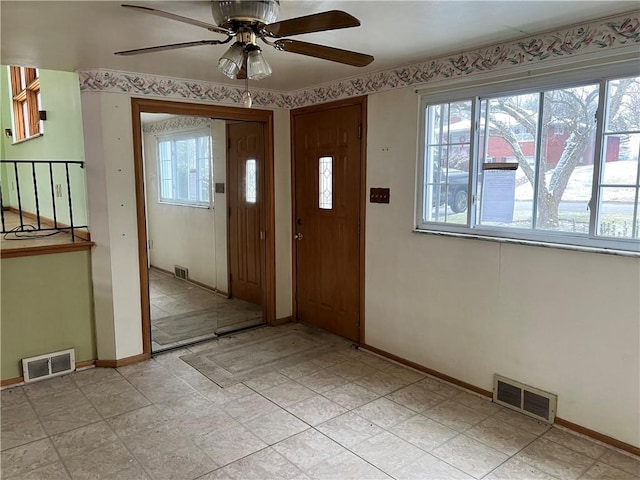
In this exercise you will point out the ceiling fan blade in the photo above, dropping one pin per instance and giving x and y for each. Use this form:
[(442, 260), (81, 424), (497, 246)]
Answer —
[(179, 18), (318, 22), (321, 51), (172, 46)]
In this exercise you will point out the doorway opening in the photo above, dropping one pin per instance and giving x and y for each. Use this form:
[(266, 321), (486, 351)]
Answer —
[(197, 243)]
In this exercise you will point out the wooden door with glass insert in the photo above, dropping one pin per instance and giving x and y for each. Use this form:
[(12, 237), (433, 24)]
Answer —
[(244, 166), (327, 158)]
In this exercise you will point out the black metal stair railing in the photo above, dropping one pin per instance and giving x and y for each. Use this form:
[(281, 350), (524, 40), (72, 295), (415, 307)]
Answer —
[(41, 197)]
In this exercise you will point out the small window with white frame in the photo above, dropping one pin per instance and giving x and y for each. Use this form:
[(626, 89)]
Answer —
[(27, 102), (446, 162), (571, 155), (185, 168)]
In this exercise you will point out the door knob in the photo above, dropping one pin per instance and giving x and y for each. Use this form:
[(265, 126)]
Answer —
[(298, 236)]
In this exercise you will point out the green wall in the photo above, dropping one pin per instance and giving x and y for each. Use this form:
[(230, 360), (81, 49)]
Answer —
[(4, 181), (62, 139), (47, 305), (47, 300)]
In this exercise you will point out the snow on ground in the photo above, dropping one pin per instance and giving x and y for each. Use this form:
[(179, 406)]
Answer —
[(579, 186)]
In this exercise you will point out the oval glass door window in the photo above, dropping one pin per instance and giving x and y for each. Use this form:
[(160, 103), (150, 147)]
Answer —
[(325, 186)]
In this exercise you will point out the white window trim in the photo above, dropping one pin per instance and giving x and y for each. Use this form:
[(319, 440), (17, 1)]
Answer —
[(530, 237), (37, 135), (187, 133)]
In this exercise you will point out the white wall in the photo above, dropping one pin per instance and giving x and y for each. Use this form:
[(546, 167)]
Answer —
[(564, 321), (284, 234), (184, 235), (111, 187), (112, 208), (219, 138)]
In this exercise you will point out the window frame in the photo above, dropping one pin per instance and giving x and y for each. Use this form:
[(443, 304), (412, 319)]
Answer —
[(29, 96), (324, 203), (476, 93), (421, 163), (250, 181), (173, 137)]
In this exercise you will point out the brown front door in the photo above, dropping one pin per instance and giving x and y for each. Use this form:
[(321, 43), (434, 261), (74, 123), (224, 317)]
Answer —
[(327, 159), (245, 166)]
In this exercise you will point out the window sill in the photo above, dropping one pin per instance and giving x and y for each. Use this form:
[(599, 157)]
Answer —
[(177, 204), (532, 243), (37, 135)]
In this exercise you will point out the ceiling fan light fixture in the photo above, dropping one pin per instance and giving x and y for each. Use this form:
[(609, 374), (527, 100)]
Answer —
[(225, 12), (231, 62), (250, 20), (257, 66)]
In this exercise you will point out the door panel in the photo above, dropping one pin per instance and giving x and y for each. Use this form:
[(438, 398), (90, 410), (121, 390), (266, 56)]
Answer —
[(245, 160), (327, 163)]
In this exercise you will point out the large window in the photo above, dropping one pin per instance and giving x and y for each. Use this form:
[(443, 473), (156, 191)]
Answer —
[(184, 168), (555, 164), (25, 92)]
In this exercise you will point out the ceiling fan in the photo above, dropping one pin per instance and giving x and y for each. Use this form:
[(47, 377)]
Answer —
[(246, 21)]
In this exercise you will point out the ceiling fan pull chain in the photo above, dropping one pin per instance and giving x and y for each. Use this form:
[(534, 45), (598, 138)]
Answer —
[(246, 95)]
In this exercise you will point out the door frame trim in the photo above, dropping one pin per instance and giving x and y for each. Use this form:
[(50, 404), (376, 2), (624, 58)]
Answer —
[(362, 102), (139, 105)]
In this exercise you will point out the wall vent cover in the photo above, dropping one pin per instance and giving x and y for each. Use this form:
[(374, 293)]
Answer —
[(181, 272), (531, 401), (48, 365)]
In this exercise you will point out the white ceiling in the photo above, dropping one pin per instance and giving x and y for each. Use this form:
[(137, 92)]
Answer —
[(84, 34)]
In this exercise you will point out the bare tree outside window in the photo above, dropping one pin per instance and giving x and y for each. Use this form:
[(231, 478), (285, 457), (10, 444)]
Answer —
[(576, 150), (567, 139)]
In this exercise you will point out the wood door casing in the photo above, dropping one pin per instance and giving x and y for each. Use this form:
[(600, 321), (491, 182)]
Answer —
[(327, 257), (140, 105), (245, 153)]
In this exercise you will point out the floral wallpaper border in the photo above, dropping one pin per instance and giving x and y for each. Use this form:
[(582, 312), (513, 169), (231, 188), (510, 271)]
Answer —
[(114, 81), (600, 36), (175, 123)]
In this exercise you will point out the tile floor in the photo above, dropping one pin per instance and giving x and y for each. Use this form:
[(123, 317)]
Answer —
[(182, 312), (346, 415)]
